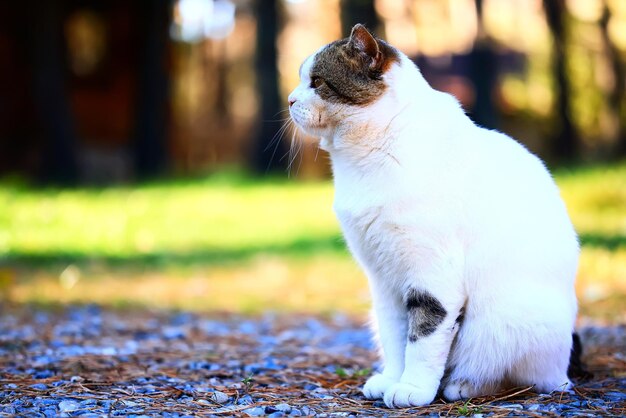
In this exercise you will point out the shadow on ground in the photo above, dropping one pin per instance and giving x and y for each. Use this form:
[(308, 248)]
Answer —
[(157, 259), (220, 256)]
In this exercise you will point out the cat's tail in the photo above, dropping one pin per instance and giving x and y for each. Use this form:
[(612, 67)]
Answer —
[(576, 369)]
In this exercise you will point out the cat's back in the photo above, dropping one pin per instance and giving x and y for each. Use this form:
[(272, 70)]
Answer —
[(512, 204), (500, 169)]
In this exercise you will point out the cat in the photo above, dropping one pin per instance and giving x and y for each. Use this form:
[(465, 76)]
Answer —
[(469, 252)]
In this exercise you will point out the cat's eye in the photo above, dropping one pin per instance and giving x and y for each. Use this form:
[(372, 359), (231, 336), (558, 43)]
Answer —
[(316, 82)]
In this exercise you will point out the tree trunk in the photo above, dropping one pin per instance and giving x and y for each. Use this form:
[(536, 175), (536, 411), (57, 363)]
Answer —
[(46, 51), (617, 94), (566, 141), (358, 11), (150, 141), (268, 155), (221, 73), (483, 72)]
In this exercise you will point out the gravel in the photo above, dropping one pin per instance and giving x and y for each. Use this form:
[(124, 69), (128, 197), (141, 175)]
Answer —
[(90, 361)]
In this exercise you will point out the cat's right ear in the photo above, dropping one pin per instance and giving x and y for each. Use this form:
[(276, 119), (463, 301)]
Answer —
[(363, 40)]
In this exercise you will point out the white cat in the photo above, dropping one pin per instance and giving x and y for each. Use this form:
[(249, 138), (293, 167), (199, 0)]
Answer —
[(468, 248)]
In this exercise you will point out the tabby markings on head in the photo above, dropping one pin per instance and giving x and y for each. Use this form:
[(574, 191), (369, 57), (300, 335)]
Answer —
[(349, 71)]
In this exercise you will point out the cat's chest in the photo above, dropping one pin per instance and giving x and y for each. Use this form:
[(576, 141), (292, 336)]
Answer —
[(380, 220), (368, 207), (357, 207), (361, 228), (367, 223), (356, 221)]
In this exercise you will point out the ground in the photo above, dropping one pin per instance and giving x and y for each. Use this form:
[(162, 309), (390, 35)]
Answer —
[(86, 360)]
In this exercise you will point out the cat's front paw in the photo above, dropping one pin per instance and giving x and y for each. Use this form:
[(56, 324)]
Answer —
[(377, 385), (401, 395)]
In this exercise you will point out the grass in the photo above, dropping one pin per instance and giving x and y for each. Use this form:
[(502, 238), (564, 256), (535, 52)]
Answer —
[(231, 242), (222, 218), (596, 201), (466, 409)]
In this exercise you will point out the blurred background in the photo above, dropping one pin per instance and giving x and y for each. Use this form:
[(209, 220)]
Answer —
[(142, 162)]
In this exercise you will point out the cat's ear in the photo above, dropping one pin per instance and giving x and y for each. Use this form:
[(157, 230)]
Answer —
[(363, 40)]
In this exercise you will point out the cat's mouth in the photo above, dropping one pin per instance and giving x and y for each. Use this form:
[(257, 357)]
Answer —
[(314, 131), (311, 126), (295, 119)]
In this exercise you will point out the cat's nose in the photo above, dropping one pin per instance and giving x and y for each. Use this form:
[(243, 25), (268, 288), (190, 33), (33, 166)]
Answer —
[(291, 102)]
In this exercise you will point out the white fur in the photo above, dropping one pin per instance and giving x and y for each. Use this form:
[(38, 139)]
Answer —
[(428, 200)]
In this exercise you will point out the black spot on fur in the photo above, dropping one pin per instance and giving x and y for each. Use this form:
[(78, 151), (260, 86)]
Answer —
[(461, 317), (349, 75), (425, 314), (577, 369)]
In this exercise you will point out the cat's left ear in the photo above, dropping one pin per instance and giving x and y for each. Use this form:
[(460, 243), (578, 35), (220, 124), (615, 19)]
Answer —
[(363, 40)]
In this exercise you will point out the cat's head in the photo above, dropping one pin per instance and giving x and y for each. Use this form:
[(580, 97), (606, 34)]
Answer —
[(340, 80)]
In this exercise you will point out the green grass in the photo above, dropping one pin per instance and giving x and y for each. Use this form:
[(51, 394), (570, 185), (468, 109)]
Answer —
[(596, 200), (256, 244), (213, 220)]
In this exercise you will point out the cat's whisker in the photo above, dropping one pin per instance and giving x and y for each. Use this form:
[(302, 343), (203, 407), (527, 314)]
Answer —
[(281, 111), (275, 142), (288, 153), (300, 152), (289, 158), (294, 149), (278, 135), (293, 153), (317, 151)]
